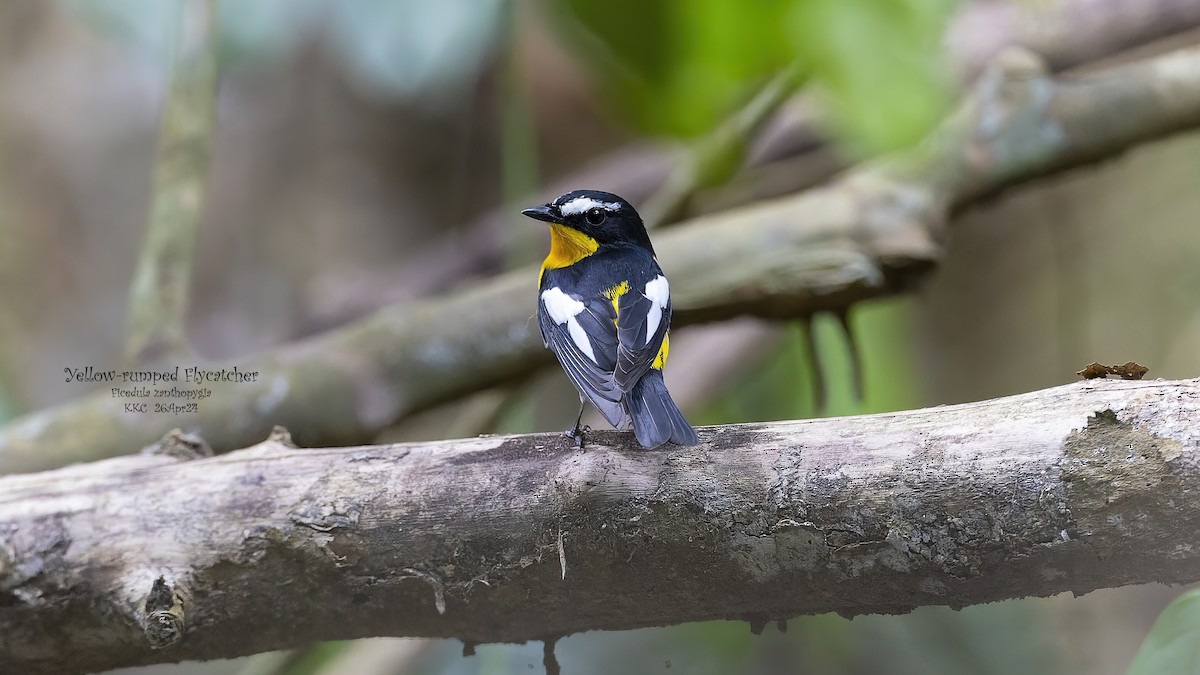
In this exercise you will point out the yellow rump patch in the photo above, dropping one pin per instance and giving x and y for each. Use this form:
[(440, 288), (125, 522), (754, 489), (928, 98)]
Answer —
[(614, 294), (567, 247), (661, 359)]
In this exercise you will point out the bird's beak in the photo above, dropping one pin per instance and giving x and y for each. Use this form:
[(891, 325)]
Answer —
[(546, 212)]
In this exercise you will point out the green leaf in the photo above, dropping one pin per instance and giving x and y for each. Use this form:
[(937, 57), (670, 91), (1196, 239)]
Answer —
[(1173, 645), (677, 67), (878, 65)]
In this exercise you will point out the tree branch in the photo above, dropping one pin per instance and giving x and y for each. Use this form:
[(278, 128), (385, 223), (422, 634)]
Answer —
[(158, 297), (149, 559), (864, 235), (1067, 33)]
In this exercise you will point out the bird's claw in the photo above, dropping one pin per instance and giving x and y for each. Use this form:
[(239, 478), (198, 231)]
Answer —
[(576, 435)]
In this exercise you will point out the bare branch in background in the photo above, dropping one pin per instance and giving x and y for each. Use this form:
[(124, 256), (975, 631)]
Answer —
[(1068, 489), (1066, 33), (869, 234), (158, 298)]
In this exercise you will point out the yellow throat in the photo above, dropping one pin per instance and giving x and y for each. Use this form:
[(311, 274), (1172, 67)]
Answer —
[(567, 247)]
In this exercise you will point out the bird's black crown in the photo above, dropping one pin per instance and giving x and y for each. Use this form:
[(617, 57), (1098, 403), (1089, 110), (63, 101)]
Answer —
[(603, 216)]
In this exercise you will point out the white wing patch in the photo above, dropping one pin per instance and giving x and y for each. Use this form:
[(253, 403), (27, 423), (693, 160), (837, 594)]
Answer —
[(563, 309), (660, 294), (581, 204)]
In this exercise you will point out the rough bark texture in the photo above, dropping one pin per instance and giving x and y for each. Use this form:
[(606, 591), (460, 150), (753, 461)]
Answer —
[(864, 235), (149, 558)]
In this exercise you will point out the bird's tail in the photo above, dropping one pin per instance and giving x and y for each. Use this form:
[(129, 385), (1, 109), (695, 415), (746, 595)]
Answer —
[(656, 420)]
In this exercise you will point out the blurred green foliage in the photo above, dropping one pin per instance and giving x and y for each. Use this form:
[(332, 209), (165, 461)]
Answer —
[(673, 67), (877, 64), (677, 67), (1173, 645), (781, 385)]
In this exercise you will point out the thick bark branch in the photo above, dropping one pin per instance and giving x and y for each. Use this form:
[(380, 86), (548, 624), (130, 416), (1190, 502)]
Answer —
[(149, 558), (865, 235)]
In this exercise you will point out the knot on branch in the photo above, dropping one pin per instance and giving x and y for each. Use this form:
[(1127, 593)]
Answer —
[(281, 435), (1018, 63), (181, 445), (1013, 95), (163, 623)]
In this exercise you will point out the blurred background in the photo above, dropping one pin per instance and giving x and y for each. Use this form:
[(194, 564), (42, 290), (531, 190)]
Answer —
[(368, 153)]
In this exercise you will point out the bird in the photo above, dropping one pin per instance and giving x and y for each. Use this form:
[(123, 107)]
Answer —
[(604, 309)]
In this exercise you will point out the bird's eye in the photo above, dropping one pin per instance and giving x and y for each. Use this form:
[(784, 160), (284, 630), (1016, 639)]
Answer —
[(595, 216)]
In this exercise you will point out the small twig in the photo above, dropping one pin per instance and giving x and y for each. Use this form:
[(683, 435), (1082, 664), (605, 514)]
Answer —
[(549, 660), (856, 367), (158, 297), (812, 357)]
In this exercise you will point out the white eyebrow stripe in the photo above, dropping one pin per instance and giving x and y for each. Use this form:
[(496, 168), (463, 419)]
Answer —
[(581, 204)]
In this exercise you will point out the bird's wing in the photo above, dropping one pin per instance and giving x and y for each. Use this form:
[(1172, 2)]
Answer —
[(643, 317), (582, 334)]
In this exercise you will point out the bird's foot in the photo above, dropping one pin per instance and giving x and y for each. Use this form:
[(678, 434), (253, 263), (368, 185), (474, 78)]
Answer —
[(576, 435)]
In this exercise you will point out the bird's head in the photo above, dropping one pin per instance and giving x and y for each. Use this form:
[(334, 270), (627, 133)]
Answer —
[(604, 218)]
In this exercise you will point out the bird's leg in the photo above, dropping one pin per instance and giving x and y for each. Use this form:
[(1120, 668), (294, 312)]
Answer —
[(576, 433)]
